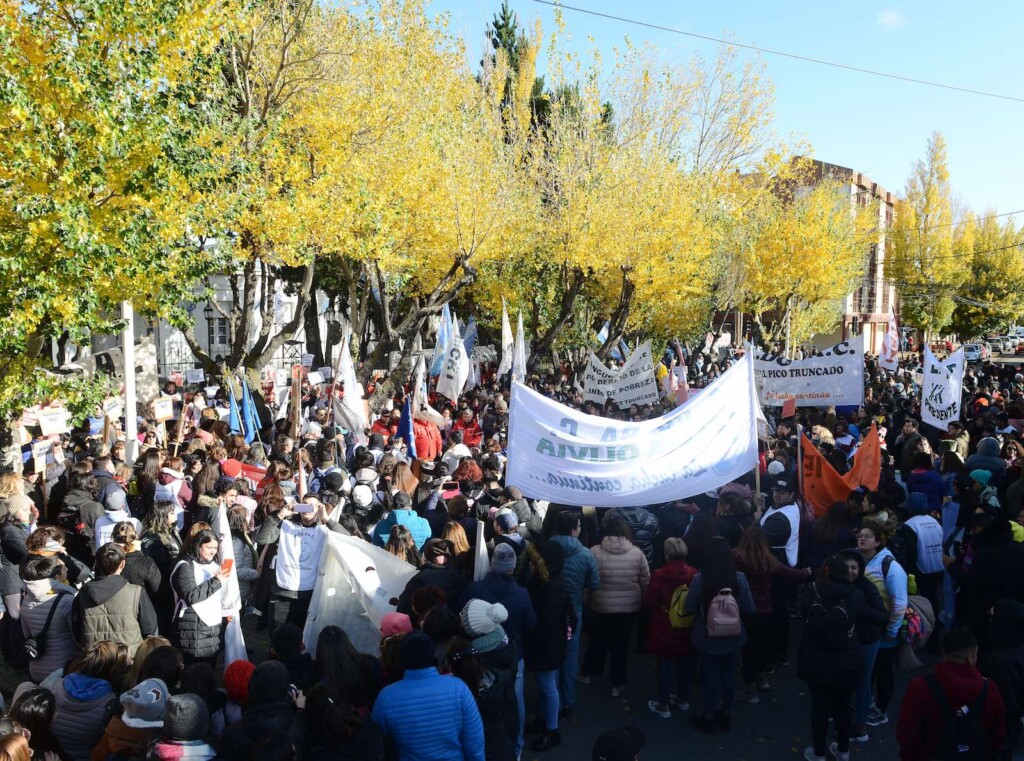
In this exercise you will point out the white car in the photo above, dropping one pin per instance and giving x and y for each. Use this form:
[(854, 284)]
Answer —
[(972, 352)]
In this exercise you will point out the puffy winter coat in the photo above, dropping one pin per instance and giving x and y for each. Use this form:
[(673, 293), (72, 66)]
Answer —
[(491, 701), (643, 525), (662, 640), (245, 566), (143, 572), (429, 716), (172, 487), (81, 715), (546, 645), (191, 635), (580, 572), (60, 641), (121, 740), (987, 458), (624, 575), (817, 664), (12, 552)]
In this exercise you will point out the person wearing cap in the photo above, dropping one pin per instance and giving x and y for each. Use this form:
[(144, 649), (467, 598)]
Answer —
[(186, 725), (506, 531), (402, 514), (622, 744), (143, 718), (781, 525), (437, 570), (451, 730)]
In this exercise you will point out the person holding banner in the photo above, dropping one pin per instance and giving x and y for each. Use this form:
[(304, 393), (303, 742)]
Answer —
[(197, 581)]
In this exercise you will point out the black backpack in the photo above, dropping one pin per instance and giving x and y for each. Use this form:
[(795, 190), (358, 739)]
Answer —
[(903, 546), (962, 735), (830, 625)]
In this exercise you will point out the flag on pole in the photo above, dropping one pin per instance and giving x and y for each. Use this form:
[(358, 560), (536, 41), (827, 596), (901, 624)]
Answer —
[(507, 342), (469, 340), (421, 409), (234, 419), (405, 429), (455, 370), (823, 486), (250, 418), (444, 336), (889, 357), (519, 354), (349, 411)]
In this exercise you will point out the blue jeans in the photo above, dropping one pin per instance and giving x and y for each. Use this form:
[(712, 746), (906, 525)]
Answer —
[(862, 700), (570, 668), (718, 675), (684, 678), (521, 701), (547, 686)]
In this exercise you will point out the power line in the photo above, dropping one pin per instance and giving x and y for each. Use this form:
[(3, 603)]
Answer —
[(977, 220), (964, 255), (783, 54)]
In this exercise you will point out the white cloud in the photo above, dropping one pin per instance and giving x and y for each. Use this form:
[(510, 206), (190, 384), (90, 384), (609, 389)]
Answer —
[(890, 19)]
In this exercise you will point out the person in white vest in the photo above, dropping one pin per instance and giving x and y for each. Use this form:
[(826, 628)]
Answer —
[(198, 584), (116, 510), (781, 524), (300, 533), (928, 537)]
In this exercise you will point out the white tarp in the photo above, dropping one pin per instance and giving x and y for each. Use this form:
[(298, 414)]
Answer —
[(889, 357), (942, 390), (357, 584), (834, 378), (633, 384), (561, 455)]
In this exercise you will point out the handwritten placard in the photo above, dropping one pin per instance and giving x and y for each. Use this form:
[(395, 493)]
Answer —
[(195, 375), (163, 409), (53, 421)]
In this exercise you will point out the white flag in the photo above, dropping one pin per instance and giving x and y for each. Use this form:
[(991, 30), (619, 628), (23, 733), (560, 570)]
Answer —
[(421, 409), (942, 388), (455, 370), (350, 411), (889, 357), (474, 374), (507, 342), (231, 598), (519, 353)]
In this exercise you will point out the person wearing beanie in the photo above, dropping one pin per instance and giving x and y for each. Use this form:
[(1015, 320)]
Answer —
[(450, 731), (268, 711), (143, 717), (395, 623), (987, 458), (236, 684), (499, 587), (986, 491), (186, 724), (439, 571)]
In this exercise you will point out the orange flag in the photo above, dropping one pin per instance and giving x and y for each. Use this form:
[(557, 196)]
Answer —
[(824, 486)]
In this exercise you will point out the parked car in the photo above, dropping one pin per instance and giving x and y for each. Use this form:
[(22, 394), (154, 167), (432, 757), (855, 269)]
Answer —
[(972, 352)]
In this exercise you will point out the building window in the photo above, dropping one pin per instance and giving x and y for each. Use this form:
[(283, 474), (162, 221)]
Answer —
[(221, 330)]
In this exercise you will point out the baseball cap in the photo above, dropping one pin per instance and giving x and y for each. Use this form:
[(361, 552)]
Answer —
[(621, 744), (782, 484)]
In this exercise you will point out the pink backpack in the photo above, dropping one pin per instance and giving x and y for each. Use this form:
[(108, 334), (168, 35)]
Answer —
[(723, 618)]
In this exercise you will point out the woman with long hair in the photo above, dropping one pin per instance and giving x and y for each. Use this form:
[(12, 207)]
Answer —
[(146, 473), (351, 675), (708, 598), (828, 534), (459, 511), (404, 479), (697, 537), (138, 569), (197, 581), (246, 557), (753, 557), (34, 710), (462, 553), (13, 743), (401, 544), (162, 544), (142, 652), (489, 688), (91, 683)]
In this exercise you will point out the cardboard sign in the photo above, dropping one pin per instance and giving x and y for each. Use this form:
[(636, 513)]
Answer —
[(177, 378), (195, 375), (53, 421), (163, 409), (315, 377), (113, 408), (307, 360), (326, 372), (39, 451), (789, 408)]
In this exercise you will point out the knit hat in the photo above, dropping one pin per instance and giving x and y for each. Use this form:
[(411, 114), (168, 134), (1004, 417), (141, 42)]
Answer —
[(19, 502), (479, 617), (508, 522), (144, 704), (417, 651), (504, 560), (313, 429), (186, 718), (395, 623), (362, 495), (917, 503), (236, 680), (269, 683), (231, 468), (776, 468), (981, 476)]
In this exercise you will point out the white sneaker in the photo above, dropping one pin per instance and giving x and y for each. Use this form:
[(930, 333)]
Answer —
[(834, 750), (811, 756), (747, 697), (616, 691), (682, 705), (653, 705)]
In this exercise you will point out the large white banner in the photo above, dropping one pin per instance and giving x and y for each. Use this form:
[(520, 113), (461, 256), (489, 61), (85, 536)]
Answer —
[(889, 357), (455, 370), (559, 454), (942, 388), (836, 377), (633, 384), (357, 584)]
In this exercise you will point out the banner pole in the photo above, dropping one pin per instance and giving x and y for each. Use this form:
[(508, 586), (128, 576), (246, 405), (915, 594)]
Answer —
[(799, 460)]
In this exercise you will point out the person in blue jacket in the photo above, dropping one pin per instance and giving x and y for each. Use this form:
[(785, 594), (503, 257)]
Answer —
[(449, 730), (403, 514)]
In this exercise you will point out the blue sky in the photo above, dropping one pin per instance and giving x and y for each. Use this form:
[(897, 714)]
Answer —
[(874, 125)]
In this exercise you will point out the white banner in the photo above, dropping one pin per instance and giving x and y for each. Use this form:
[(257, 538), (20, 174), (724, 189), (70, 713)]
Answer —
[(559, 454), (836, 377), (508, 343), (889, 357), (356, 585), (455, 370), (941, 392), (633, 384)]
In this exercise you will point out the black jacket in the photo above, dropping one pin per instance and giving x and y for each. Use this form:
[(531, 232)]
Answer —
[(97, 592), (12, 552), (817, 662), (365, 744), (997, 572), (503, 664), (546, 644), (143, 572), (191, 635), (871, 626), (262, 725), (448, 578)]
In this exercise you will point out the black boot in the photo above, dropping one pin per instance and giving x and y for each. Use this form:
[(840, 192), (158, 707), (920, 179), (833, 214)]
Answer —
[(547, 741), (535, 727)]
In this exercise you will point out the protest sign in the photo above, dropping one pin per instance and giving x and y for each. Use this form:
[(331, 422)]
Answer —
[(113, 408), (633, 384), (835, 377), (315, 378), (163, 409), (942, 390), (307, 360), (39, 451), (53, 420), (195, 375), (562, 455), (326, 372), (889, 356), (177, 378)]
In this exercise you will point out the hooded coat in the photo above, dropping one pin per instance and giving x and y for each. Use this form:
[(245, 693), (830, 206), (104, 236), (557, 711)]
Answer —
[(817, 664), (643, 526), (664, 641), (99, 592), (82, 713), (987, 458), (580, 572)]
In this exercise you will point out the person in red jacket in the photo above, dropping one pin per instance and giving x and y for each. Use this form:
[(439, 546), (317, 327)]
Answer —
[(387, 424), (472, 434), (670, 645), (924, 725), (428, 440)]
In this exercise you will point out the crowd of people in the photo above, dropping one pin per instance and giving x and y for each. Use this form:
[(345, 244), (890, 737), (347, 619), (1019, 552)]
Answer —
[(113, 594)]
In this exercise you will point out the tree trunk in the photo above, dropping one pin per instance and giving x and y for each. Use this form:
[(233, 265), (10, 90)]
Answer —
[(573, 285), (617, 322)]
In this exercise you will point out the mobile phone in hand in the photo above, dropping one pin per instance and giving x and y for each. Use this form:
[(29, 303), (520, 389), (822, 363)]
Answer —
[(227, 565)]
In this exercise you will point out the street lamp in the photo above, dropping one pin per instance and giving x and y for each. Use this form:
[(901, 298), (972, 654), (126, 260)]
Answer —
[(208, 314)]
